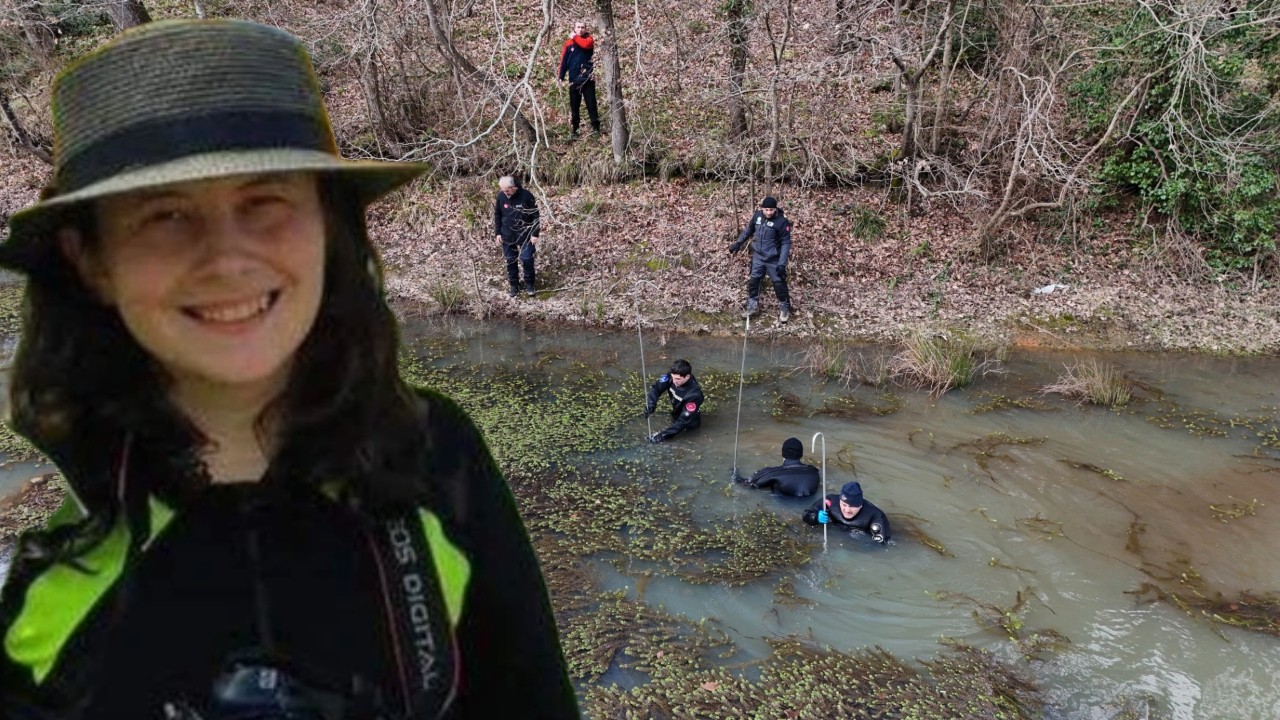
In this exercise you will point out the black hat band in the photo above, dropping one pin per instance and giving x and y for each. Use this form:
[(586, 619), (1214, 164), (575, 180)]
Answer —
[(151, 143)]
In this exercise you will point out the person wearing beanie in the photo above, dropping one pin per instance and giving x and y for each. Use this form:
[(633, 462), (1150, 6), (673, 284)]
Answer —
[(770, 253), (848, 510), (792, 477), (686, 400)]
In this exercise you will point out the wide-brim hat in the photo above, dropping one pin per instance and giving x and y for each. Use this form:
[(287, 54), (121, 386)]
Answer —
[(183, 100)]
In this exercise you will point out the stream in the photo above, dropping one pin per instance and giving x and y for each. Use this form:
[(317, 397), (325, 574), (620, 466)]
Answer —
[(1006, 503)]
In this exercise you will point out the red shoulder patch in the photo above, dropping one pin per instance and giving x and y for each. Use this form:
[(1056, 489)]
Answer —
[(690, 407)]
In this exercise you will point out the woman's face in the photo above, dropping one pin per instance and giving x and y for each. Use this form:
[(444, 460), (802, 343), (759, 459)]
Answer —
[(219, 280)]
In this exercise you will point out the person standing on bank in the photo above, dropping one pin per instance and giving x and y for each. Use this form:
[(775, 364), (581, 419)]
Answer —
[(264, 519), (575, 68), (771, 250), (850, 511), (686, 400), (516, 224), (792, 477)]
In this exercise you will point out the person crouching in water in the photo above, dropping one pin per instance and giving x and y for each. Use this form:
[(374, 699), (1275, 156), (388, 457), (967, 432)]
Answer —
[(686, 400), (850, 511), (792, 477)]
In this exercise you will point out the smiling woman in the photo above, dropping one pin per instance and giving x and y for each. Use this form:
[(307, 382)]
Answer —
[(266, 520)]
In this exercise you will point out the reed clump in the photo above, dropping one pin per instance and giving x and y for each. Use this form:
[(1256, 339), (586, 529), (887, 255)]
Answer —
[(1095, 383), (938, 362)]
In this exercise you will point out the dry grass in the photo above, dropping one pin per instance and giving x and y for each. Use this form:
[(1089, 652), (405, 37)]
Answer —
[(449, 296), (841, 363), (1093, 382), (938, 362)]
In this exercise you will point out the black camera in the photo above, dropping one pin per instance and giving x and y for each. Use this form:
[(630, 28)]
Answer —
[(256, 691)]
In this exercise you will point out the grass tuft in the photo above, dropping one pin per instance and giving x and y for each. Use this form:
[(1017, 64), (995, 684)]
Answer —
[(1094, 383)]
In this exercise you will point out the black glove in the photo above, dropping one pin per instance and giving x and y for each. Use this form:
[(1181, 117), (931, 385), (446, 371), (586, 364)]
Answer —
[(648, 411), (782, 269), (735, 248), (739, 479), (656, 438)]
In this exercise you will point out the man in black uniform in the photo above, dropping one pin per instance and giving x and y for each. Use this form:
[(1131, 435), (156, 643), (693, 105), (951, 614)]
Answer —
[(853, 513), (516, 224), (770, 253), (792, 477), (686, 400)]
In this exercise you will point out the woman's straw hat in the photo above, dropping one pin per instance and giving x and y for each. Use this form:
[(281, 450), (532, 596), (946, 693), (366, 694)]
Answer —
[(186, 100)]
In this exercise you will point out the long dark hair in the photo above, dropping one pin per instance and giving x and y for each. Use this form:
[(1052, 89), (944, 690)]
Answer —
[(82, 387)]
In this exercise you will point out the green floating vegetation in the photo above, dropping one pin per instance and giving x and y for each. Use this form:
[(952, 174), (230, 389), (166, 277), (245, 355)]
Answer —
[(1008, 621), (803, 682), (993, 402), (985, 448), (1182, 586), (850, 406), (533, 420), (786, 406), (1235, 510), (636, 520), (1104, 472)]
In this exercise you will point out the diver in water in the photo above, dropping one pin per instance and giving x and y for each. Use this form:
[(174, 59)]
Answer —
[(686, 400), (850, 511), (792, 477)]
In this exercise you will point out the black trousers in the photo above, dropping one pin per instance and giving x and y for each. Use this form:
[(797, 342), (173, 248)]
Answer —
[(578, 93), (777, 276), (525, 252)]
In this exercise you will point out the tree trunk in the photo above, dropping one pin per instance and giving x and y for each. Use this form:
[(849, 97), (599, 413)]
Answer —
[(127, 13), (199, 9), (619, 132), (944, 87), (20, 135), (738, 11)]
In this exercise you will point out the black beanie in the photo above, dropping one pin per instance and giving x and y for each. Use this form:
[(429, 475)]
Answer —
[(768, 202), (792, 449)]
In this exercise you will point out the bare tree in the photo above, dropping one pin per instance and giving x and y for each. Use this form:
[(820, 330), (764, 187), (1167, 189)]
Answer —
[(21, 137), (619, 132)]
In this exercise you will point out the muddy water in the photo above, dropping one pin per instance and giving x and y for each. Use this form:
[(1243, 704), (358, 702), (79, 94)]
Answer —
[(1076, 509)]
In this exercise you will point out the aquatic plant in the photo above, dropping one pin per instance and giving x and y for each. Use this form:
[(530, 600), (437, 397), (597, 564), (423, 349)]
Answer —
[(850, 406), (938, 362), (786, 406), (1008, 621), (994, 403), (1180, 584), (1234, 511), (1104, 472), (1093, 382)]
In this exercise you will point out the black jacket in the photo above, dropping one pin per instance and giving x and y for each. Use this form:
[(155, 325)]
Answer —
[(516, 218), (868, 515), (686, 404), (792, 477), (321, 578), (772, 237)]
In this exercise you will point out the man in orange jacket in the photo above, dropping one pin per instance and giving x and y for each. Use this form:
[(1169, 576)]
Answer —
[(575, 66)]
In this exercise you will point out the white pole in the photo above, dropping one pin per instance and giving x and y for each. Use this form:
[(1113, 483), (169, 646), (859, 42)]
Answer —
[(737, 425), (823, 505)]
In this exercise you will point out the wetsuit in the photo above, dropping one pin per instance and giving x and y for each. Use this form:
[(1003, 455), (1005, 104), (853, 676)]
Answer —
[(438, 608), (686, 405), (792, 477), (868, 515)]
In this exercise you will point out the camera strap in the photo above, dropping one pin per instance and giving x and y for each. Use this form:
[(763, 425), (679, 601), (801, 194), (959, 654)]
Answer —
[(422, 640)]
